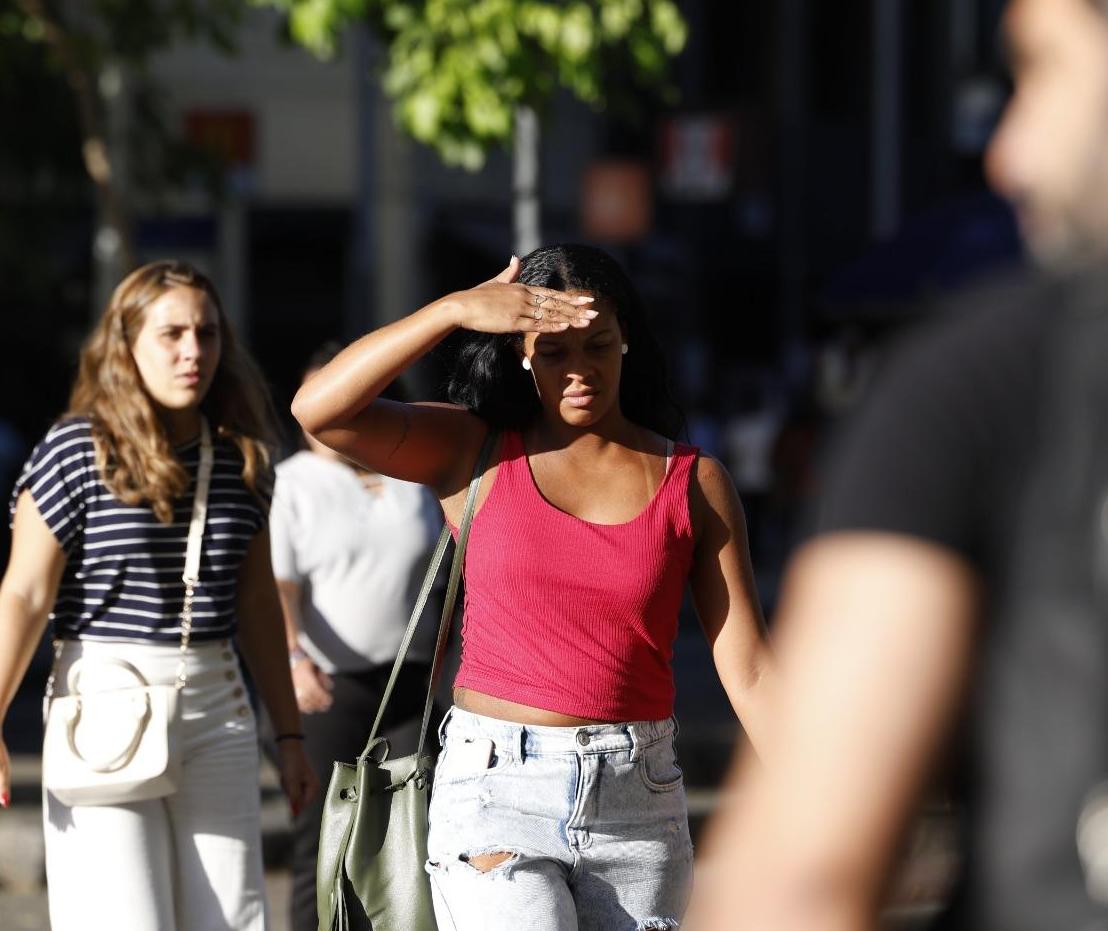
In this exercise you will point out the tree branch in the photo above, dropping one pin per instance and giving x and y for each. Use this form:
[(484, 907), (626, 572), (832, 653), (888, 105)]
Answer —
[(94, 147)]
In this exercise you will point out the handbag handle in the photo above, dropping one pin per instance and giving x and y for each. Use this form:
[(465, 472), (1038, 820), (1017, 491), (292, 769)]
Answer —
[(140, 710), (448, 603), (73, 680), (140, 705)]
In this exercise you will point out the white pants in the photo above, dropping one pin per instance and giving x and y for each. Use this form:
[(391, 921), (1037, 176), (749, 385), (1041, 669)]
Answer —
[(188, 862)]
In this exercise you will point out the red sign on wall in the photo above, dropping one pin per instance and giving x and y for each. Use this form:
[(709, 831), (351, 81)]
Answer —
[(616, 201), (698, 157), (226, 134)]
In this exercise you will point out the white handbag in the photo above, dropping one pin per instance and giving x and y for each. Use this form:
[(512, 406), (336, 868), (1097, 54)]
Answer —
[(114, 738)]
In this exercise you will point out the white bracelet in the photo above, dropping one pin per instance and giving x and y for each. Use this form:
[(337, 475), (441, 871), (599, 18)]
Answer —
[(296, 655)]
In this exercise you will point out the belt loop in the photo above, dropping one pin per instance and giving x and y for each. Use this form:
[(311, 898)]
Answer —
[(633, 733), (521, 743), (442, 725)]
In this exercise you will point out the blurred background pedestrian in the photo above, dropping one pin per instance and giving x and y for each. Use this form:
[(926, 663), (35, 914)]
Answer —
[(350, 547)]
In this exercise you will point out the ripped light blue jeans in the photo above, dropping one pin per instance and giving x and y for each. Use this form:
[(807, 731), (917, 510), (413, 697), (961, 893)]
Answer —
[(589, 824)]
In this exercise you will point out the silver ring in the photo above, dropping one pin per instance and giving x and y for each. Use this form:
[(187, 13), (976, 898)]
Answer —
[(540, 299), (537, 314)]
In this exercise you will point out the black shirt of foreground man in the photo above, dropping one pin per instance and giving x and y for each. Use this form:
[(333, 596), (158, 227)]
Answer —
[(989, 436)]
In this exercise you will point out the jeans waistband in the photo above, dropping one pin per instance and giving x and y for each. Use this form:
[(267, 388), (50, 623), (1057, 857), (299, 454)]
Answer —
[(158, 663), (522, 740)]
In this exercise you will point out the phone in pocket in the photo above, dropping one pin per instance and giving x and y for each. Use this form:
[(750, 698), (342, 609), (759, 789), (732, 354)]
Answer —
[(473, 755)]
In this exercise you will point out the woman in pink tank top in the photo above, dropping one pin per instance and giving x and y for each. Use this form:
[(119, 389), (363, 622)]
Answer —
[(558, 803)]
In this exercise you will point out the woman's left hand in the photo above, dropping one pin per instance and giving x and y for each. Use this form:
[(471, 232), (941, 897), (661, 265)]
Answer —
[(298, 779)]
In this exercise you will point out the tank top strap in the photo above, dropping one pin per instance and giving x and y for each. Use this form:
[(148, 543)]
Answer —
[(681, 464), (512, 468), (676, 491), (511, 446)]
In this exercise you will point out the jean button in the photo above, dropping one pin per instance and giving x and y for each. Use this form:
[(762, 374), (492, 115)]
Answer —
[(582, 738)]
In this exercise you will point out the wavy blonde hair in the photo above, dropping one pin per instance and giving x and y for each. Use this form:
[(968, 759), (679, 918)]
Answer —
[(133, 451)]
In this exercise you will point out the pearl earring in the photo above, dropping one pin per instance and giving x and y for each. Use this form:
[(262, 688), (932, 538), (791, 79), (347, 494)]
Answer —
[(623, 348), (526, 363)]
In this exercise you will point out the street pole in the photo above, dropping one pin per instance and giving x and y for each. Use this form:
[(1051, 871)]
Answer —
[(526, 207), (358, 314), (395, 221), (793, 109), (887, 92), (113, 247)]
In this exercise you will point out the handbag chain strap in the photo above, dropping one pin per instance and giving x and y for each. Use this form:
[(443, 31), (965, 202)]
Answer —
[(448, 602), (191, 575)]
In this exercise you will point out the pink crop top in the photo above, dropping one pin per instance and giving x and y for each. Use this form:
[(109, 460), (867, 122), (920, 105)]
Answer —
[(571, 616)]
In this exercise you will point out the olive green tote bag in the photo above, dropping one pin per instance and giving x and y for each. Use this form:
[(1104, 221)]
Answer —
[(374, 831)]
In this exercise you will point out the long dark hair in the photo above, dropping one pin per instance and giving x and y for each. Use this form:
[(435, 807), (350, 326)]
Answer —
[(488, 379)]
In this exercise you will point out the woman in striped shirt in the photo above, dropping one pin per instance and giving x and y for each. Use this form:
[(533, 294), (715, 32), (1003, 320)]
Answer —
[(101, 518)]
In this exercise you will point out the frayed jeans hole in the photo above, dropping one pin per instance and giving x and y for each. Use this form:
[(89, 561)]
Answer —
[(658, 924), (487, 862)]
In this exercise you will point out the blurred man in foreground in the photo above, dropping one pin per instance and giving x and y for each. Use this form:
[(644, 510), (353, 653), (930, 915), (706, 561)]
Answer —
[(954, 596)]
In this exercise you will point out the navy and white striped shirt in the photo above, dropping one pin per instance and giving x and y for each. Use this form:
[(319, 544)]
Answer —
[(122, 578)]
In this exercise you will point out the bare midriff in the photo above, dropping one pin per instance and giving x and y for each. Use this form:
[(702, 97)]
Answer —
[(492, 707)]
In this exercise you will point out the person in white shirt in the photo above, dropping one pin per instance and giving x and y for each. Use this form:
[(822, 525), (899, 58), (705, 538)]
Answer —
[(349, 549)]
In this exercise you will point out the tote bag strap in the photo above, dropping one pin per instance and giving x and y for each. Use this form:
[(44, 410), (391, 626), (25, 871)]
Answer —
[(448, 601)]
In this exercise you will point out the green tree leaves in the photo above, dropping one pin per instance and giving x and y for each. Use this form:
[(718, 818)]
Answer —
[(458, 69)]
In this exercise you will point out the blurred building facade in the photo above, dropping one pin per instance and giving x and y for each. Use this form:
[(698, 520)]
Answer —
[(820, 173)]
